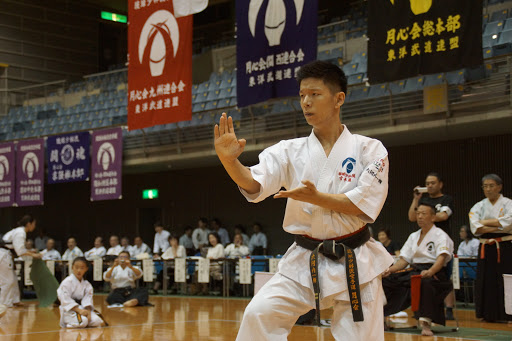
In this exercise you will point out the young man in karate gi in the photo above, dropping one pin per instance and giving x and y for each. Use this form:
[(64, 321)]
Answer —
[(336, 182), (75, 296)]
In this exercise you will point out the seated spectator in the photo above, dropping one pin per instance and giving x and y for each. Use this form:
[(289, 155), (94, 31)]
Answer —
[(258, 241), (122, 276), (41, 240), (139, 247), (161, 240), (115, 248), (237, 249), (221, 231), (29, 245), (186, 241), (98, 251), (215, 251), (469, 245), (240, 229), (391, 246), (200, 234), (50, 253), (175, 250), (427, 251), (73, 251), (125, 244)]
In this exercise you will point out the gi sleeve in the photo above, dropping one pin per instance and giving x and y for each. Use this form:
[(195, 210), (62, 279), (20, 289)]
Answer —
[(105, 278), (474, 218), (372, 186), (506, 219), (87, 299), (18, 242), (406, 250), (134, 276), (444, 245), (269, 173), (64, 294)]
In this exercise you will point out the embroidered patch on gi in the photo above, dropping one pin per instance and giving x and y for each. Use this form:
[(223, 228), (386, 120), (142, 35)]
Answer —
[(347, 167), (431, 247)]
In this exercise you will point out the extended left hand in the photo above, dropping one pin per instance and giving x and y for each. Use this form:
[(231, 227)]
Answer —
[(308, 193)]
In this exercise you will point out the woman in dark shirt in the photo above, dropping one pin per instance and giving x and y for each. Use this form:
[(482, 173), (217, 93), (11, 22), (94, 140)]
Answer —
[(384, 237)]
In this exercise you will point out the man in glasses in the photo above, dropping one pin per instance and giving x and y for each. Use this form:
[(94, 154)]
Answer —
[(491, 221)]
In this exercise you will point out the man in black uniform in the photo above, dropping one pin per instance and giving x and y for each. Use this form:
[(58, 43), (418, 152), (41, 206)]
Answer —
[(444, 210)]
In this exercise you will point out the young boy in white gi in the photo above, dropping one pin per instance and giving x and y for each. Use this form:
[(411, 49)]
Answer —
[(336, 182), (75, 296)]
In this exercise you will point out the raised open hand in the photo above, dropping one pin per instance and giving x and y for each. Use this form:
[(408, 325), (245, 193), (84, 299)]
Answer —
[(306, 193), (227, 146)]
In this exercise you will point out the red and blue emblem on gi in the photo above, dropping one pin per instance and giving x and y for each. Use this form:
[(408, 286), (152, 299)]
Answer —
[(347, 167)]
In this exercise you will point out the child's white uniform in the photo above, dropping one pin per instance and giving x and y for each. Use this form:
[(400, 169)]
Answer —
[(72, 293)]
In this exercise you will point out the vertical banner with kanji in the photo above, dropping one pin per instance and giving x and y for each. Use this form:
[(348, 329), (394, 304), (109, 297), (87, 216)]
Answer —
[(274, 39), (412, 37), (30, 173), (7, 175), (68, 157), (159, 64), (107, 164)]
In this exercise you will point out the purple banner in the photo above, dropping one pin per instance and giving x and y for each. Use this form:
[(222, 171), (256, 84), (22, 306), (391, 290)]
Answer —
[(7, 174), (107, 163), (30, 173), (68, 157)]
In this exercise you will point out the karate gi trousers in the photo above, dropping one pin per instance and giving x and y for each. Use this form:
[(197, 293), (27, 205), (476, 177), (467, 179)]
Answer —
[(9, 289), (272, 313), (70, 319)]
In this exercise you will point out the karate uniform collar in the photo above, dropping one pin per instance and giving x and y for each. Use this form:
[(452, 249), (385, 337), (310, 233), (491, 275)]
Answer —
[(497, 201), (314, 139), (76, 279)]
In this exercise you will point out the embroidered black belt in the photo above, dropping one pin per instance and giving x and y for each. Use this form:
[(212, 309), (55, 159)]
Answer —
[(335, 249)]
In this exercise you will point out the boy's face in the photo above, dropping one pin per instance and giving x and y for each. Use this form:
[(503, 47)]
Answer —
[(71, 243), (79, 269), (319, 105)]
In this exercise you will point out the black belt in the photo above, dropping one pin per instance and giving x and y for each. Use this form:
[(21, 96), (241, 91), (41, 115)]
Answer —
[(335, 249)]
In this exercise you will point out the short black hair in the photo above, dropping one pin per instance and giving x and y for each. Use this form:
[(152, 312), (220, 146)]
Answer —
[(188, 228), (158, 224), (216, 235), (386, 230), (432, 208), (124, 251), (81, 259), (330, 74), (437, 175), (203, 220)]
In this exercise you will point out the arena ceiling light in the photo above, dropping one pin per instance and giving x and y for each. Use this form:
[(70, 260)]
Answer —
[(114, 17)]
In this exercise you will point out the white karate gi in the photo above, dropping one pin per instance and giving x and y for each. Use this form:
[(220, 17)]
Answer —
[(70, 291), (95, 252), (169, 254), (115, 250), (122, 278), (51, 254), (501, 210), (9, 290), (435, 243), (144, 248), (70, 255), (161, 242), (358, 167), (234, 251), (469, 249), (200, 236)]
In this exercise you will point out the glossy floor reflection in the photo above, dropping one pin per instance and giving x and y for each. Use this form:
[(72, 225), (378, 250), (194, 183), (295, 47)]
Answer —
[(175, 318)]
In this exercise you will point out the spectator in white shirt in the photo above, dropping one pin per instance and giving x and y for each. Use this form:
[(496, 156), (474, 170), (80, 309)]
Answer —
[(240, 229), (469, 245), (50, 253), (175, 250), (139, 247), (222, 232), (186, 241), (200, 235), (215, 251), (115, 248), (161, 240), (73, 251), (125, 244), (98, 251), (237, 249), (258, 242), (41, 240)]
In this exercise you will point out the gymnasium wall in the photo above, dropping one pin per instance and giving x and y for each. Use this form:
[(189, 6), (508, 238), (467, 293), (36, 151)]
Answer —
[(188, 194)]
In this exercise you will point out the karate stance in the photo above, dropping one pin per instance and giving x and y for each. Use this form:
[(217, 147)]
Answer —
[(14, 242), (75, 296), (336, 182)]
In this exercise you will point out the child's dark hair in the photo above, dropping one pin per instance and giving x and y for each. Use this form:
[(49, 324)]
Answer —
[(81, 259), (126, 253)]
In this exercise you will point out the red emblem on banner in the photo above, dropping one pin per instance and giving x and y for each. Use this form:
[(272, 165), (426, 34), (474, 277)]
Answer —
[(159, 64)]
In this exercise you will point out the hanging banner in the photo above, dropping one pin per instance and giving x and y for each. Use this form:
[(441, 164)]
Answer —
[(274, 39), (412, 37), (30, 173), (97, 269), (68, 157), (180, 270), (7, 174), (159, 65), (107, 163), (244, 264), (147, 270), (203, 266)]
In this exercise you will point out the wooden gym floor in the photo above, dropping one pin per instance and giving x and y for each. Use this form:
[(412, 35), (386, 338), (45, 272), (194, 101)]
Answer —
[(194, 318)]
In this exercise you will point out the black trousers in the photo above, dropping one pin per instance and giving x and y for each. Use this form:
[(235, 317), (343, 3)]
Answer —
[(397, 288), (121, 295)]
